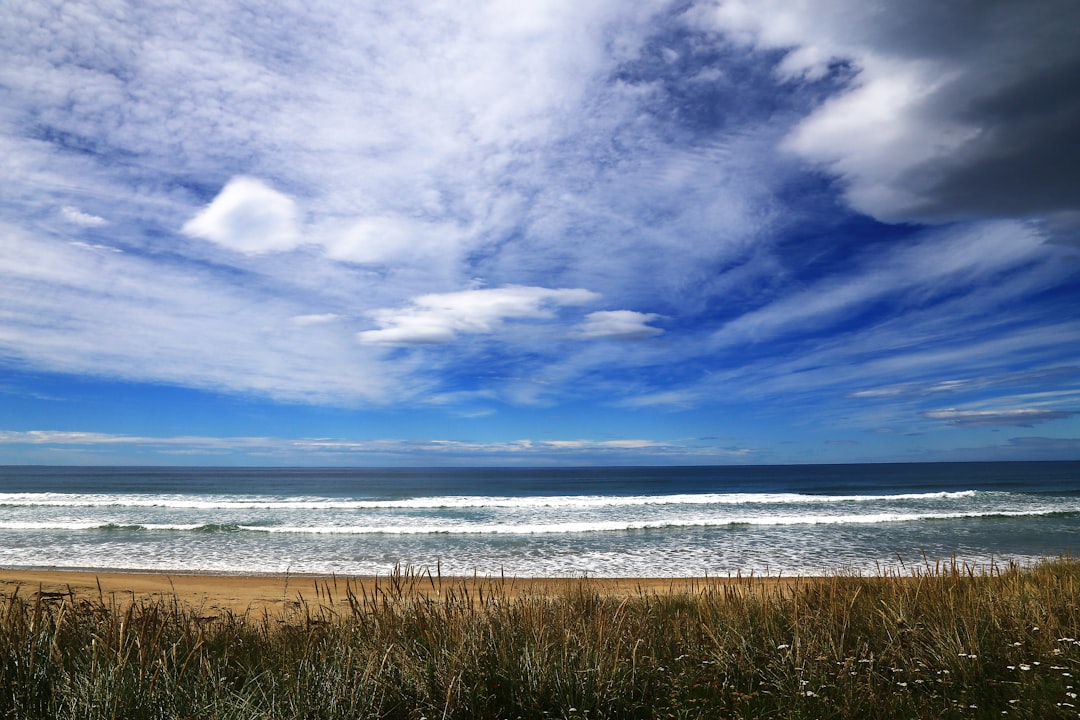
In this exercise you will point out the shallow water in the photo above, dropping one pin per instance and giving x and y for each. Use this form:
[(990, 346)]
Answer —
[(636, 522)]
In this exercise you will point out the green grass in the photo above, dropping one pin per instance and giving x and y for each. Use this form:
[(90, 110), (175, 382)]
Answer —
[(950, 643)]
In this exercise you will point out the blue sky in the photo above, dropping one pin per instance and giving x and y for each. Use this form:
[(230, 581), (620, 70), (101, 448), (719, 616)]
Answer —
[(539, 233)]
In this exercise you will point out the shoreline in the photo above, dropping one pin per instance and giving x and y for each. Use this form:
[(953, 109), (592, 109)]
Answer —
[(275, 592)]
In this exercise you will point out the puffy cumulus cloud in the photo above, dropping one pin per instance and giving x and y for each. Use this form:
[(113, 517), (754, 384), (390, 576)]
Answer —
[(1021, 417), (440, 317), (248, 216), (957, 110), (618, 325)]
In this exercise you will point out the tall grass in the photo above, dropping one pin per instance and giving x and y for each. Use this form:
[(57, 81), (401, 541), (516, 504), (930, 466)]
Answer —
[(950, 642)]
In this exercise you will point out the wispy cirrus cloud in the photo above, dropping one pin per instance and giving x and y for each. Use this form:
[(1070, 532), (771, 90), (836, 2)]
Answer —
[(942, 263), (1060, 376), (125, 315), (1020, 417), (314, 450), (918, 322)]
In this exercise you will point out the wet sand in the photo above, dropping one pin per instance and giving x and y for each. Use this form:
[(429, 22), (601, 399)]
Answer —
[(245, 593)]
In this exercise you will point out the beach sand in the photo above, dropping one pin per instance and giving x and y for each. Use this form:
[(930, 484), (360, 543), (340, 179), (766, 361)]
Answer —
[(274, 593)]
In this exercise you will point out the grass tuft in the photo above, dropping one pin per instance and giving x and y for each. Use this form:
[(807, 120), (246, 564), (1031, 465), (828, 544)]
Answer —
[(953, 641)]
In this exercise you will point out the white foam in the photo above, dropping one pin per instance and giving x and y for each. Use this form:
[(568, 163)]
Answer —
[(629, 525), (256, 502), (96, 525), (535, 523)]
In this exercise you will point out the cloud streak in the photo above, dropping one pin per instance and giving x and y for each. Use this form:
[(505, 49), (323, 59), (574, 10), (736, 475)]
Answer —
[(1019, 417), (312, 449), (440, 318), (618, 325)]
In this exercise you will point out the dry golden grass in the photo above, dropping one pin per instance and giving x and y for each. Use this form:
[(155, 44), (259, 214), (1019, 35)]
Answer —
[(949, 642)]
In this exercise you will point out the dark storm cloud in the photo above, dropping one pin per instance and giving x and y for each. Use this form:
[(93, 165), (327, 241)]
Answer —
[(1025, 159), (957, 111)]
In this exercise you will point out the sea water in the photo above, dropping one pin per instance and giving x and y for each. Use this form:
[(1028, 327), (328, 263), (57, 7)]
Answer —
[(540, 522)]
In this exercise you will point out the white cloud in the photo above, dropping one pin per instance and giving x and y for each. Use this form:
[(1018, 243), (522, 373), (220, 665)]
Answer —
[(74, 215), (248, 216), (314, 449), (126, 316), (675, 399), (439, 318), (395, 240), (95, 247), (1023, 417), (614, 444), (315, 319), (618, 325)]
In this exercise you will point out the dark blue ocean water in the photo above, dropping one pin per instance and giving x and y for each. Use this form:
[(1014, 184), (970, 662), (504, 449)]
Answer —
[(643, 522)]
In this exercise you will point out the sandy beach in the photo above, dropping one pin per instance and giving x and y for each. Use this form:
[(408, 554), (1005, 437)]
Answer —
[(244, 593), (837, 646)]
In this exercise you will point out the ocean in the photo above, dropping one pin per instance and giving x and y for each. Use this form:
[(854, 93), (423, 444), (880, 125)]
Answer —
[(539, 522)]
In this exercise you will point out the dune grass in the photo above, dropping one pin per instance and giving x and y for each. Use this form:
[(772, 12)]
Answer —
[(951, 642)]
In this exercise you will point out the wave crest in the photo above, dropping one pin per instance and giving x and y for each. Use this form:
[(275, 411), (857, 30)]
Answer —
[(476, 528), (447, 502)]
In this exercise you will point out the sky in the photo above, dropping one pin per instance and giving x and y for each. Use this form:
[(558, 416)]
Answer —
[(539, 233)]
